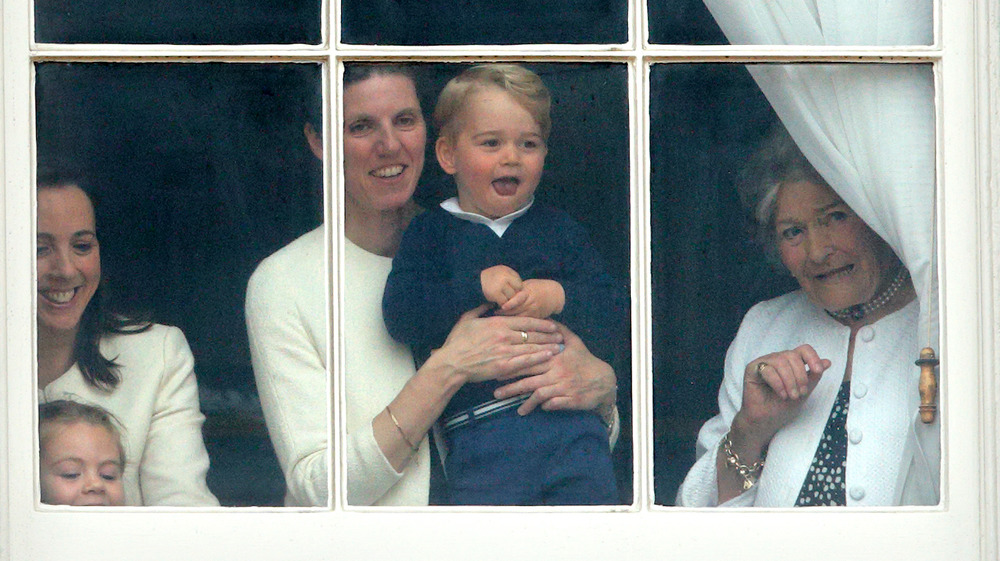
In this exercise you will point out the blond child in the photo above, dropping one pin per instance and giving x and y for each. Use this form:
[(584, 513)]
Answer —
[(80, 455), (494, 244)]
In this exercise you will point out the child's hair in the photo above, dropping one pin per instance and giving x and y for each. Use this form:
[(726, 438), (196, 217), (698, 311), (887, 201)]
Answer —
[(66, 412), (524, 85)]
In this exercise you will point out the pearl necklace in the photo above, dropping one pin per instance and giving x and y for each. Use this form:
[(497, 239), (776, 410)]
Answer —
[(857, 312)]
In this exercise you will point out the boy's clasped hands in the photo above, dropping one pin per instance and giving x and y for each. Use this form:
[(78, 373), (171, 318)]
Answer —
[(537, 298)]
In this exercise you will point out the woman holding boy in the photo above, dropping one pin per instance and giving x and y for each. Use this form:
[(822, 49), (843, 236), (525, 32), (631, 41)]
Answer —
[(390, 406)]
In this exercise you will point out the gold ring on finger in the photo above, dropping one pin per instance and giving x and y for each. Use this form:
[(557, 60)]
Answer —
[(760, 367), (524, 337)]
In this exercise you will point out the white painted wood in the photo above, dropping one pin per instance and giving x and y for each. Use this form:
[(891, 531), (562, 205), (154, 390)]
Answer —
[(969, 179), (988, 90)]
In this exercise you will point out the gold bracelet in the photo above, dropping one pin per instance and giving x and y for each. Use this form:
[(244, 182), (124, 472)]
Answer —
[(608, 417), (400, 429), (749, 473)]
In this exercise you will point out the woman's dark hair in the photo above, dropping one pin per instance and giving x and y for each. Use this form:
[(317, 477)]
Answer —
[(100, 317), (65, 412), (776, 161), (355, 72)]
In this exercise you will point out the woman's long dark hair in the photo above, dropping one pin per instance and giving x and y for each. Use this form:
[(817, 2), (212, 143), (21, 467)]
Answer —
[(100, 317)]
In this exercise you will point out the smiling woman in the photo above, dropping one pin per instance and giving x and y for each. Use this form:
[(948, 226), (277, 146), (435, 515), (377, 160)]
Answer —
[(384, 143), (389, 405), (148, 381), (69, 265)]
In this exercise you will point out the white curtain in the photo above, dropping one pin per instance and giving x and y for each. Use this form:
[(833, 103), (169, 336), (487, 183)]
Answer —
[(868, 129)]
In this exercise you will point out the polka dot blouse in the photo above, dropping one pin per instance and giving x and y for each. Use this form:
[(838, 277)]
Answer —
[(824, 484)]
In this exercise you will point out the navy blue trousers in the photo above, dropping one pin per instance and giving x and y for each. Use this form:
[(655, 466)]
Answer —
[(544, 458)]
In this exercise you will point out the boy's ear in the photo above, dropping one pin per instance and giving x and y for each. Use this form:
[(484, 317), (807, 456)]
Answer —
[(445, 151)]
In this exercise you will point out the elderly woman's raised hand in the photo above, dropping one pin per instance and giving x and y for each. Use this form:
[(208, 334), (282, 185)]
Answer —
[(774, 388)]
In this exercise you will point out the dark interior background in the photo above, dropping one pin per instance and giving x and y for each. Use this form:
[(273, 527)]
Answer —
[(367, 22), (180, 22), (490, 22)]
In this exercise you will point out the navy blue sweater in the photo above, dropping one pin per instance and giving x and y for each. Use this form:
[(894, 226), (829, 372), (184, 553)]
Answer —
[(435, 278)]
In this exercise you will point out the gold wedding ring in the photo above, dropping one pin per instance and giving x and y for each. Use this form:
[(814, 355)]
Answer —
[(524, 337), (760, 367)]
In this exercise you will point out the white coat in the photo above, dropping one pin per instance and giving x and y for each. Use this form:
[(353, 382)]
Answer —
[(892, 457)]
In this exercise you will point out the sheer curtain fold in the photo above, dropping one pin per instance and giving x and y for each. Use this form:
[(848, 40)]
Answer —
[(825, 22), (867, 129)]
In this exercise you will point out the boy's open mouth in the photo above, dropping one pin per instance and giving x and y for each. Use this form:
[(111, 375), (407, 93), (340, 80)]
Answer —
[(506, 186)]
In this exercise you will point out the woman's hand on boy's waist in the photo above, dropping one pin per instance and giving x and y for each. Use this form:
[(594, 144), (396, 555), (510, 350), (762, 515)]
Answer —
[(572, 379)]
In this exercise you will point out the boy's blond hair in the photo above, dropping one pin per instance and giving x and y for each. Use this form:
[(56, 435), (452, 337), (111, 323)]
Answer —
[(524, 85)]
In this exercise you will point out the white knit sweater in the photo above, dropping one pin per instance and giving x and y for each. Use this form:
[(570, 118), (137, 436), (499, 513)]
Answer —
[(287, 322)]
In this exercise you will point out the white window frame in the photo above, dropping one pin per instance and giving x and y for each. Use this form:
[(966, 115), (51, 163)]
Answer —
[(964, 526)]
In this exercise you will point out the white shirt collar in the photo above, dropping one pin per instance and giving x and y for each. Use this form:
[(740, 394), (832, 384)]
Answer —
[(499, 226)]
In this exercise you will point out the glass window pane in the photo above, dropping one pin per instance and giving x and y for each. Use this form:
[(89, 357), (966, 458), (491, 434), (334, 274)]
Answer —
[(490, 22), (683, 22), (705, 120), (198, 172), (586, 176), (711, 126), (179, 22), (794, 22)]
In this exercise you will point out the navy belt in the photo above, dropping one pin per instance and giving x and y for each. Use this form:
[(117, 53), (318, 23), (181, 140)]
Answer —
[(481, 411)]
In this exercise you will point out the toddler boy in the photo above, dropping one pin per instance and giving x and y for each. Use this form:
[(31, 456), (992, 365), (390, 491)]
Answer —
[(493, 243)]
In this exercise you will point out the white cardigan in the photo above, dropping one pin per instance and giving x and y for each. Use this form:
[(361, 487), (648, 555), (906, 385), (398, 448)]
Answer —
[(156, 402), (892, 457), (287, 324)]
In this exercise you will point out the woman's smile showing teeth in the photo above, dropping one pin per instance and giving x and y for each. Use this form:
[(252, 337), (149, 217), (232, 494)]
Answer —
[(59, 296), (388, 171)]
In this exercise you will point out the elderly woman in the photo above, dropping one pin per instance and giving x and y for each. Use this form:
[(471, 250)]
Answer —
[(819, 400), (390, 406), (142, 373)]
